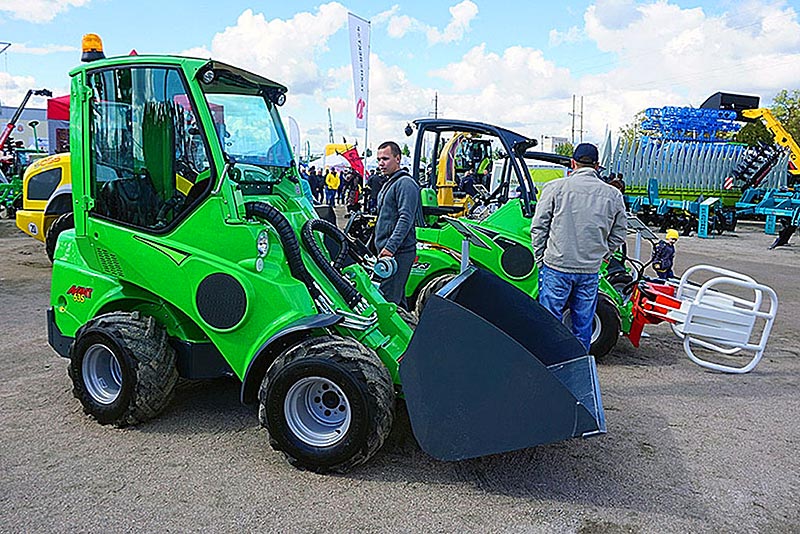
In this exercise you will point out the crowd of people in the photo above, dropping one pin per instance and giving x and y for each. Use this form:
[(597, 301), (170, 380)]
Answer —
[(344, 187)]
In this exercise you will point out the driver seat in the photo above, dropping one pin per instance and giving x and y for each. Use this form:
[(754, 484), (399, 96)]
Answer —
[(130, 200)]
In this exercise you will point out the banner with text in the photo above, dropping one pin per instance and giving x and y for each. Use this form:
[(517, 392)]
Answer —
[(359, 53)]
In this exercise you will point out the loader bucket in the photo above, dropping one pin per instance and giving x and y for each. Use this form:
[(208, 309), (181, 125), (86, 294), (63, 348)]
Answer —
[(489, 370)]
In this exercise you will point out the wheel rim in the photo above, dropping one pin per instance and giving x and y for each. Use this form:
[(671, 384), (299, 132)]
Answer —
[(317, 411), (597, 326), (102, 374)]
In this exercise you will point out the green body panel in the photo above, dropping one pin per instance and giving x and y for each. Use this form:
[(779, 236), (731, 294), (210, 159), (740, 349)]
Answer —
[(124, 268), (439, 252)]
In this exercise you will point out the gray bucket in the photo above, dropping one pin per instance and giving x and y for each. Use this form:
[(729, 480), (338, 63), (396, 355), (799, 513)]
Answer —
[(489, 370)]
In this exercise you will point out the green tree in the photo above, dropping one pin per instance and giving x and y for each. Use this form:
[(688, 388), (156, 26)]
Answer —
[(633, 130), (406, 151), (752, 133), (786, 108), (565, 149)]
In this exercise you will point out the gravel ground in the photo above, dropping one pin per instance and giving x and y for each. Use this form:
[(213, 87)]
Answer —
[(686, 451)]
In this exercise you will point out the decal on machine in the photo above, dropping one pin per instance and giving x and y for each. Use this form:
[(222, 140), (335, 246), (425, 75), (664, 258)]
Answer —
[(80, 293), (421, 266)]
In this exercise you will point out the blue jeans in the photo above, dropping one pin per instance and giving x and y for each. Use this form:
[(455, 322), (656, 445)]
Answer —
[(330, 197), (576, 291)]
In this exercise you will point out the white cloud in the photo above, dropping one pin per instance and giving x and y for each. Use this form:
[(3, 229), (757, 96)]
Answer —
[(691, 53), (283, 50), (384, 16), (573, 35), (38, 10), (42, 50), (461, 14), (518, 70), (400, 25), (14, 88)]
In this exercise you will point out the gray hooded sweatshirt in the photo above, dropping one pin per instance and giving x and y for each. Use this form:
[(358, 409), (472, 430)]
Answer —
[(398, 214)]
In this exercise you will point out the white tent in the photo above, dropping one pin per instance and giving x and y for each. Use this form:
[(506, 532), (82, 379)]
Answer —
[(333, 161)]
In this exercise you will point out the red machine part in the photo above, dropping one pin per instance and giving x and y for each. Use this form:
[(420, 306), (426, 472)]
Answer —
[(651, 304)]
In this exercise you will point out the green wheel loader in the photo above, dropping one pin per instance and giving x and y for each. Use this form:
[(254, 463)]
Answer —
[(501, 215), (195, 255)]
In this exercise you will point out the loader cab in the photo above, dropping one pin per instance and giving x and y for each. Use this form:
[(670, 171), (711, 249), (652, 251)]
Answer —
[(161, 137), (447, 151), (148, 161)]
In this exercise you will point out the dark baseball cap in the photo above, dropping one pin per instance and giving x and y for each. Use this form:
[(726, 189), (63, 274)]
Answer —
[(585, 153)]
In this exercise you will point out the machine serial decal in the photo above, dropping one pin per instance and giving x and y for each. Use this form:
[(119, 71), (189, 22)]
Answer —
[(80, 293)]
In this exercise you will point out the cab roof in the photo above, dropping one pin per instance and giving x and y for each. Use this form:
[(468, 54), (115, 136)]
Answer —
[(236, 78)]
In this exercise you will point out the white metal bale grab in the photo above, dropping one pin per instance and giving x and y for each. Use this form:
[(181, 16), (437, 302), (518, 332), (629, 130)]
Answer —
[(711, 318)]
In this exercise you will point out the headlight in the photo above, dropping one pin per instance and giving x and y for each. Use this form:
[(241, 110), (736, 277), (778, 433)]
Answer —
[(262, 243)]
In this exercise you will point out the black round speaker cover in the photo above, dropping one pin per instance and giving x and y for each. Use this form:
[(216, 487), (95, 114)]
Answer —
[(221, 300), (517, 261)]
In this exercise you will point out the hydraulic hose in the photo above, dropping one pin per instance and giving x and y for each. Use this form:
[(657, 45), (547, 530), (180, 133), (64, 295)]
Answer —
[(330, 230), (345, 289), (291, 247)]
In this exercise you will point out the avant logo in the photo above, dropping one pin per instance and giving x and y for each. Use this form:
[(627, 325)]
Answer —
[(360, 105), (80, 293)]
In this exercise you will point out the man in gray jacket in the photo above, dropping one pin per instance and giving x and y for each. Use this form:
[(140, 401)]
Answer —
[(398, 213), (579, 221)]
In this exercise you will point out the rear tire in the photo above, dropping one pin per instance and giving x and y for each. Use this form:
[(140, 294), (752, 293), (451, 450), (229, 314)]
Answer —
[(327, 403), (607, 326), (620, 281), (63, 222), (122, 368), (432, 286)]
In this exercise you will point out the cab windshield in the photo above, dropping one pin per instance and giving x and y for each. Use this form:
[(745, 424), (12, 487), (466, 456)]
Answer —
[(249, 130)]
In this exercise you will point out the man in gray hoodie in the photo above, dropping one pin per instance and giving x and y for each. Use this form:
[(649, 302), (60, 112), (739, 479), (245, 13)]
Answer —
[(579, 221), (398, 213)]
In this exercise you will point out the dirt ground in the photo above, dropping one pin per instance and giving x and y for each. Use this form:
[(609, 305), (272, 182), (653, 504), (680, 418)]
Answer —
[(686, 451)]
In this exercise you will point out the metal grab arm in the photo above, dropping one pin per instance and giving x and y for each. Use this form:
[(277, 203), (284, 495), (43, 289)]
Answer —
[(713, 320), (686, 282)]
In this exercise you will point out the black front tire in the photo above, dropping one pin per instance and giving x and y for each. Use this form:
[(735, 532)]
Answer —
[(122, 368), (327, 403), (432, 286), (610, 327), (607, 326), (409, 317), (63, 222)]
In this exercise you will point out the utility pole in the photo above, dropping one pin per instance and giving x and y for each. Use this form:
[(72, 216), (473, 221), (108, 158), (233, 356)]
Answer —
[(436, 105), (574, 114), (573, 120), (3, 47), (330, 127)]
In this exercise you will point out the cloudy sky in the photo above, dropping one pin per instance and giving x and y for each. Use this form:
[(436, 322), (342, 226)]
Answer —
[(515, 63)]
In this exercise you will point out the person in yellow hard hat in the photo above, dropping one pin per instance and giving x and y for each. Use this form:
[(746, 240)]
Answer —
[(664, 255)]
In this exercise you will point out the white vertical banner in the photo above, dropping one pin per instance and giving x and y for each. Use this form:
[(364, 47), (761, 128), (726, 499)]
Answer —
[(294, 137), (359, 53)]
